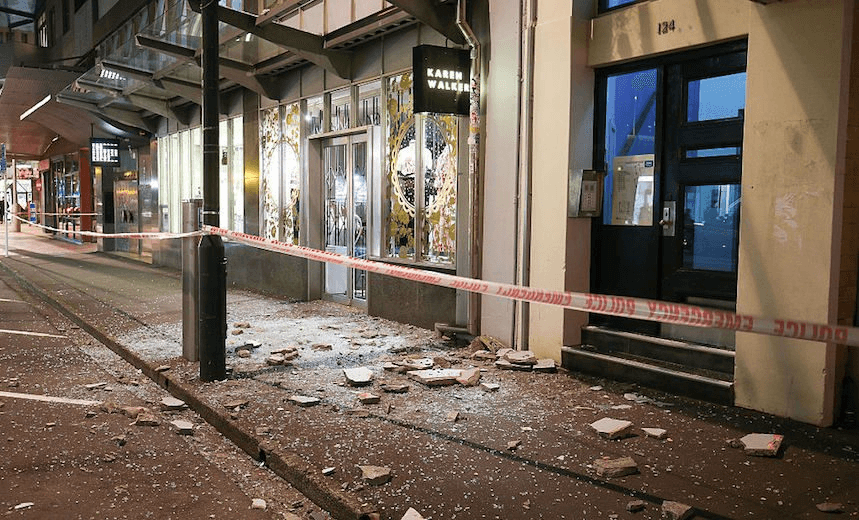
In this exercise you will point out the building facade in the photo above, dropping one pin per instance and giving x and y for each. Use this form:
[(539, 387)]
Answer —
[(712, 140)]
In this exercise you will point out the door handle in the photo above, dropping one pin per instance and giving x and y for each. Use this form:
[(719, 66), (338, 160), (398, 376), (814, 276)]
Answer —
[(667, 220)]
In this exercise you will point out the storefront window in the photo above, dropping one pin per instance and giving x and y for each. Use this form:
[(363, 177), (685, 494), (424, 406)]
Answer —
[(341, 107), (290, 146), (422, 168), (315, 115), (369, 99), (719, 97), (270, 172), (180, 175)]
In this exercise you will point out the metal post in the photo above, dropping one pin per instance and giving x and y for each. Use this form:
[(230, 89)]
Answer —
[(190, 222), (212, 274)]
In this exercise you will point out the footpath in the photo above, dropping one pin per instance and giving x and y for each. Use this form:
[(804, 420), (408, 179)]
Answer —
[(320, 395)]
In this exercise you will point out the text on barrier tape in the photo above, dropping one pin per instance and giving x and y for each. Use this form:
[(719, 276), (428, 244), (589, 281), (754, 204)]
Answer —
[(652, 310)]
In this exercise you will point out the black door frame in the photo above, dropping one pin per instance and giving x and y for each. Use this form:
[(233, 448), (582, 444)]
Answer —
[(658, 259)]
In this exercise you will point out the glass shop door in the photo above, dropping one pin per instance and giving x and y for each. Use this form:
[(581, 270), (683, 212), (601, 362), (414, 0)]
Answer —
[(344, 167)]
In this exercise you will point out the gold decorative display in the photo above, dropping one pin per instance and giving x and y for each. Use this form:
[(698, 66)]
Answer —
[(270, 172), (291, 173)]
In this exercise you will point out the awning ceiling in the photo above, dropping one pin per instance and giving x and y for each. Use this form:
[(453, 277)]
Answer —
[(34, 137)]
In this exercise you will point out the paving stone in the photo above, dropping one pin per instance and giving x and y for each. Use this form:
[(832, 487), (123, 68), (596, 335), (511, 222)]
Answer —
[(369, 398), (436, 377), (489, 387), (676, 510), (411, 514), (635, 506), (830, 507), (613, 468), (612, 428), (258, 503), (506, 365), (762, 444), (394, 388), (656, 433), (469, 377), (303, 400), (183, 427), (375, 475), (171, 403), (521, 357), (359, 376), (546, 365)]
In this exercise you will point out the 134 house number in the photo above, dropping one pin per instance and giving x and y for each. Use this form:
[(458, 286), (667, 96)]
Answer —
[(665, 27)]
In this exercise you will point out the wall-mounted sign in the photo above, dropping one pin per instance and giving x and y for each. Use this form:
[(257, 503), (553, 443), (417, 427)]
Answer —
[(442, 79), (104, 152)]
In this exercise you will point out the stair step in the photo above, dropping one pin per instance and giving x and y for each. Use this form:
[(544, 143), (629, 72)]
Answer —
[(681, 353), (661, 378)]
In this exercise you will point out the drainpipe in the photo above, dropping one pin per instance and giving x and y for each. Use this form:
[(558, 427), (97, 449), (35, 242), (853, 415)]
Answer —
[(523, 172), (473, 165)]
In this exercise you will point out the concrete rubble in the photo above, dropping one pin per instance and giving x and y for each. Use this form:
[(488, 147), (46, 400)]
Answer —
[(830, 507), (369, 398), (303, 400), (656, 433), (489, 387), (183, 427), (762, 444), (146, 418), (612, 428), (614, 468), (375, 475), (360, 376), (436, 376), (393, 388), (172, 404), (469, 377), (635, 506), (411, 514), (258, 503), (676, 511)]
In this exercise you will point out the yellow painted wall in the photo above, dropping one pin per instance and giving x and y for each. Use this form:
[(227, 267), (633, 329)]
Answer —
[(790, 234), (550, 161)]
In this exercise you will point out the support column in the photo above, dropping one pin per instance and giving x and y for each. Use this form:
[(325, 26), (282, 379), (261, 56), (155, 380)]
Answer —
[(212, 298)]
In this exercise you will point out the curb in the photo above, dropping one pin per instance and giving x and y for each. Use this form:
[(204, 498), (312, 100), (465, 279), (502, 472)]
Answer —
[(286, 465)]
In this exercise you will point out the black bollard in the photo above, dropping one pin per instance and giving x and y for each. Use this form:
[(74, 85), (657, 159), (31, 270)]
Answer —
[(212, 308)]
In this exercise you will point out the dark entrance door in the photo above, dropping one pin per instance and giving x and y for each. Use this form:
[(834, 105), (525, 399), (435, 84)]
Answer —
[(670, 141)]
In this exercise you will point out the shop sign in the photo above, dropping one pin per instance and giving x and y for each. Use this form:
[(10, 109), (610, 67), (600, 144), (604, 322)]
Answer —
[(442, 79), (104, 152)]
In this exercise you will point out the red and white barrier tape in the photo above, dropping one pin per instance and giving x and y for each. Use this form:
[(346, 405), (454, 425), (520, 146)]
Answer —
[(153, 236), (652, 310)]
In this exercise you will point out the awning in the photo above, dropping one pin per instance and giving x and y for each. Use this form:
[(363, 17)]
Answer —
[(53, 128)]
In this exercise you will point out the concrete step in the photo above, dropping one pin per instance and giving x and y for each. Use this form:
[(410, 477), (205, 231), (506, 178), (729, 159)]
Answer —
[(677, 382), (689, 356)]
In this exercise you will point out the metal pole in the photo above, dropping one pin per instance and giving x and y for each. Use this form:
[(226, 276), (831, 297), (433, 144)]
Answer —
[(212, 272), (190, 222), (6, 209)]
